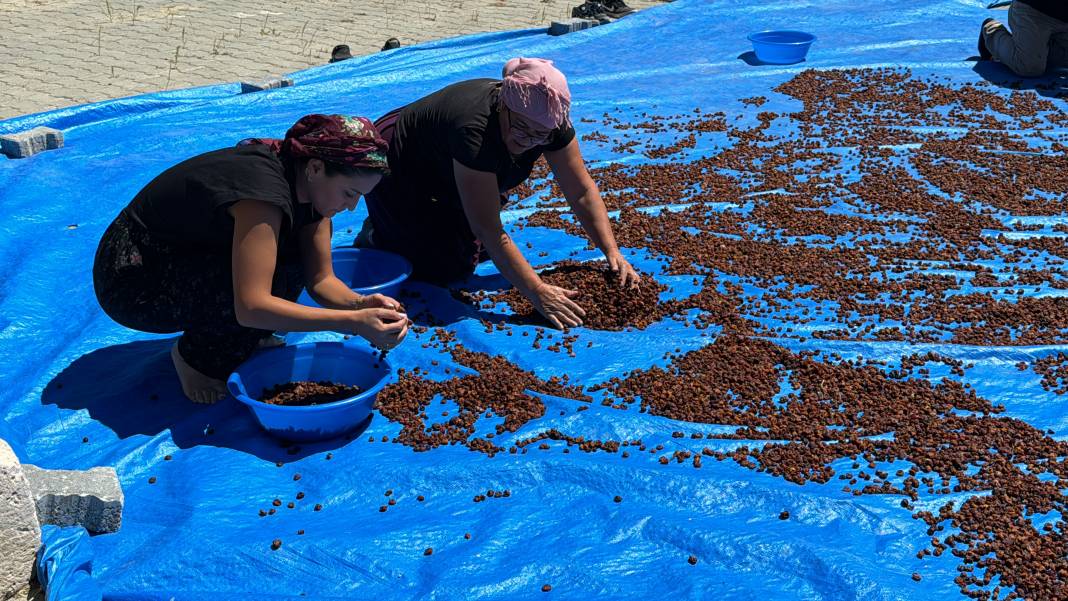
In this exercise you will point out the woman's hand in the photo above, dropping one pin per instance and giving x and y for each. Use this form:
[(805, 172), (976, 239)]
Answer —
[(556, 305), (379, 301), (625, 273), (384, 328)]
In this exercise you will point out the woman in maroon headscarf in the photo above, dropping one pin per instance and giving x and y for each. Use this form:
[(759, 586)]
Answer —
[(219, 246), (453, 157)]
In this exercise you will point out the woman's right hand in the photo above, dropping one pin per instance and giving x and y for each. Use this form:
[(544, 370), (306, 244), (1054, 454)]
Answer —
[(372, 301), (556, 305), (384, 328)]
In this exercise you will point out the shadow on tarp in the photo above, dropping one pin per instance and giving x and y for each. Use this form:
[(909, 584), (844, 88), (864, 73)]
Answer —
[(1054, 84), (449, 309), (132, 389), (750, 58)]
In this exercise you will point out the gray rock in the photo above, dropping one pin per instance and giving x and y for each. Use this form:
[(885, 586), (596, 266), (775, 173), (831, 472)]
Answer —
[(573, 24), (30, 142), (265, 84), (92, 499), (20, 534)]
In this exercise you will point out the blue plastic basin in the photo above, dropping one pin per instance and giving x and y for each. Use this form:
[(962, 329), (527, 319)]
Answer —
[(367, 271), (783, 47), (332, 361)]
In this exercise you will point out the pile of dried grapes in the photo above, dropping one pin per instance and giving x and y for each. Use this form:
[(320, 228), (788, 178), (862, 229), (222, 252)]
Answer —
[(878, 207)]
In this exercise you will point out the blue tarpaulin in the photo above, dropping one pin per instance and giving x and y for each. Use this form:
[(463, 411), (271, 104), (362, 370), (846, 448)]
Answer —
[(70, 373), (65, 564)]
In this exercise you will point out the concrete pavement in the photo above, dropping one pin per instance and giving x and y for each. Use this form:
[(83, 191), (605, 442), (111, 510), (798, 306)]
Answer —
[(59, 53)]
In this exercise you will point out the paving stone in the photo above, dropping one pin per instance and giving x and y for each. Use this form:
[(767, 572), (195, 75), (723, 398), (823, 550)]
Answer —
[(265, 84), (20, 534), (241, 38), (573, 24), (92, 498), (28, 143)]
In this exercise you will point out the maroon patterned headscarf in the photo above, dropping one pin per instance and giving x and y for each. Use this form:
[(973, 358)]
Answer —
[(349, 141)]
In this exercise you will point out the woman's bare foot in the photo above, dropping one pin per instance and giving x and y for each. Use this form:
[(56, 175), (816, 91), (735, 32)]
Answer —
[(198, 387)]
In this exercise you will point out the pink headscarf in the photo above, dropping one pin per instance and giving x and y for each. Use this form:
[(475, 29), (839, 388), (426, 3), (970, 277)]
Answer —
[(536, 89)]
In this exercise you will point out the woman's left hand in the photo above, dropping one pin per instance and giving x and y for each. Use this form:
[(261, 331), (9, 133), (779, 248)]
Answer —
[(380, 301), (628, 277)]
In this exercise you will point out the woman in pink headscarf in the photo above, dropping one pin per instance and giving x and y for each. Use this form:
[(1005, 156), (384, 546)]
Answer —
[(453, 157)]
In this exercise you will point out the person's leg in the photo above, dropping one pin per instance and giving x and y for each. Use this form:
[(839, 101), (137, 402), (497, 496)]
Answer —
[(214, 344), (1026, 49), (444, 259), (127, 281), (205, 357), (197, 385), (438, 255), (134, 290), (1058, 50), (435, 239), (148, 287), (154, 287)]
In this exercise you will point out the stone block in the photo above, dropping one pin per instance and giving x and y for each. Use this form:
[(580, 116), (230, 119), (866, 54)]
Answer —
[(573, 24), (92, 499), (265, 84), (20, 533), (30, 142)]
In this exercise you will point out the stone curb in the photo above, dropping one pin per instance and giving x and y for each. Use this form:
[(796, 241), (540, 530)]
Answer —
[(28, 143)]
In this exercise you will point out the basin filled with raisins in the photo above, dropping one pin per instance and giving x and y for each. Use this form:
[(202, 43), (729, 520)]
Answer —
[(311, 391)]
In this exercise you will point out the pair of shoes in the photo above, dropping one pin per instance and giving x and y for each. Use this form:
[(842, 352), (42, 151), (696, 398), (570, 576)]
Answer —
[(589, 10), (339, 53), (600, 9), (984, 52)]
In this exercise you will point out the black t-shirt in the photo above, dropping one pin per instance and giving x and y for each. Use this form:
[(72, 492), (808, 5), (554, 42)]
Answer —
[(187, 205), (1058, 9), (459, 122)]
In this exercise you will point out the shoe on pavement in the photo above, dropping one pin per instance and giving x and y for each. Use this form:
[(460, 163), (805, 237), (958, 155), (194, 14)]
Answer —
[(589, 10), (616, 8), (339, 53), (391, 44)]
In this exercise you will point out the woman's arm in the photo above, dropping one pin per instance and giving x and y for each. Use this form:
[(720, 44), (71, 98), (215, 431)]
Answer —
[(582, 195), (481, 204), (319, 279), (255, 249)]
